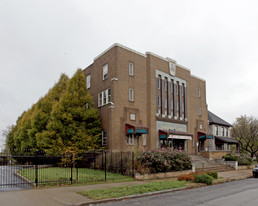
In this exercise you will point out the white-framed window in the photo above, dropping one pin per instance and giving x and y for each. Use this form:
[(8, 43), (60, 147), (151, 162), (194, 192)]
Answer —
[(199, 111), (165, 84), (131, 95), (132, 139), (104, 137), (158, 83), (88, 81), (105, 71), (132, 117), (159, 101), (171, 87), (199, 92), (216, 130), (104, 97), (222, 131), (166, 103), (131, 69), (144, 142)]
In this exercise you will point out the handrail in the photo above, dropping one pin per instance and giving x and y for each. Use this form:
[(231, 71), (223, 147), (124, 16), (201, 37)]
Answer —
[(200, 162)]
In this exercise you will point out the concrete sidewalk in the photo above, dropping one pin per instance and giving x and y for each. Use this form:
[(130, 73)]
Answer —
[(69, 196)]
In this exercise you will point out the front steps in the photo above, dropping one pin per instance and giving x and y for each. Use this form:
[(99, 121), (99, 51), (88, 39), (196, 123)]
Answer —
[(203, 165)]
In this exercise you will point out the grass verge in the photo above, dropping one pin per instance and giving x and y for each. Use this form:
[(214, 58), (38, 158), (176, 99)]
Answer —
[(132, 190)]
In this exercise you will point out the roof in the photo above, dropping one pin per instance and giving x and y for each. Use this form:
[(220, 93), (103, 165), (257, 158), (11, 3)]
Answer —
[(214, 119), (226, 139)]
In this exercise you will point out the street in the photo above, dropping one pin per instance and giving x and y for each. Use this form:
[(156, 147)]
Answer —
[(243, 192), (8, 181)]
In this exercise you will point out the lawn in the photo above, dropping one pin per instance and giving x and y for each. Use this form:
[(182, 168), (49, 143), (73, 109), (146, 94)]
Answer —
[(132, 190), (57, 175)]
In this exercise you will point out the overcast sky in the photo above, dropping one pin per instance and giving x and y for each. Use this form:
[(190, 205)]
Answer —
[(215, 39)]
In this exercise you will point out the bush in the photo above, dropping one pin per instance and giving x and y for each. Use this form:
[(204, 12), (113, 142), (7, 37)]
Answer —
[(230, 157), (213, 174), (203, 179), (187, 177), (242, 159), (164, 160)]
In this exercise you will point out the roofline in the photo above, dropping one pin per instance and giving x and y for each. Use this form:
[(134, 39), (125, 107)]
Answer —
[(167, 59)]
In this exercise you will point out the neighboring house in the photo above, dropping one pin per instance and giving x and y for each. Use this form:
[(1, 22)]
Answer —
[(220, 131), (147, 101)]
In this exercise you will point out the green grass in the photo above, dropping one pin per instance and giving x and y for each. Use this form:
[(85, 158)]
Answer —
[(132, 190), (57, 175)]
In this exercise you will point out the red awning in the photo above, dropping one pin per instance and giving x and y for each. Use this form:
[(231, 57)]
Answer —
[(174, 133), (135, 129)]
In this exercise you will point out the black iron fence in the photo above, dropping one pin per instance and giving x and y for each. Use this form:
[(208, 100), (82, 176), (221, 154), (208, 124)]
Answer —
[(86, 168)]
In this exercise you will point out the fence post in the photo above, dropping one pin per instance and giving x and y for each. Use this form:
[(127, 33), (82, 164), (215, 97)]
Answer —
[(71, 179), (121, 162), (133, 164), (36, 170), (105, 166)]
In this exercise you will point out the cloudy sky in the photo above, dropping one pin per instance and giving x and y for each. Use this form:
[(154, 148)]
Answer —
[(215, 39)]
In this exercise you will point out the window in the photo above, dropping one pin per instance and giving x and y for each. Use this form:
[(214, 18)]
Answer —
[(226, 132), (199, 111), (131, 69), (158, 101), (132, 116), (105, 71), (222, 131), (199, 92), (132, 139), (104, 97), (216, 130), (109, 95), (158, 83), (88, 81), (166, 103), (104, 137), (131, 95), (144, 140)]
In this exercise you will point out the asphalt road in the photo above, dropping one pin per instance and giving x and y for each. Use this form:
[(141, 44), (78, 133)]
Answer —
[(242, 192), (8, 181)]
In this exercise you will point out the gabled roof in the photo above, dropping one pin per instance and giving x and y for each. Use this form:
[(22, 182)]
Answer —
[(214, 119)]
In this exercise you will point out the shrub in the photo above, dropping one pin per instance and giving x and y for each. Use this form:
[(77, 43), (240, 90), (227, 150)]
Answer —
[(230, 157), (197, 173), (185, 177), (244, 160), (213, 174), (203, 179), (164, 160)]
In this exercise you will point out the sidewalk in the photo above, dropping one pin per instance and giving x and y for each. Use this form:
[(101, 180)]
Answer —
[(69, 196)]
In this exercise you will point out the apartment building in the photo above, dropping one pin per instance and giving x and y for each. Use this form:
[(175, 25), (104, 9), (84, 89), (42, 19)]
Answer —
[(147, 101)]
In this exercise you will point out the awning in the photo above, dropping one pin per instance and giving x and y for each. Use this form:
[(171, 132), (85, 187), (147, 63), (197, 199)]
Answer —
[(135, 129), (226, 140), (171, 134), (204, 136)]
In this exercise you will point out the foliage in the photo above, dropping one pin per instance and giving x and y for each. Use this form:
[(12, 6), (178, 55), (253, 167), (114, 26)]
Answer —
[(213, 174), (245, 131), (242, 159), (185, 177), (230, 157), (203, 179), (163, 160), (64, 120), (115, 192)]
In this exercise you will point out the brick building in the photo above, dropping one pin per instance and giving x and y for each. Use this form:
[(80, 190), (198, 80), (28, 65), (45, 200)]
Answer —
[(147, 101)]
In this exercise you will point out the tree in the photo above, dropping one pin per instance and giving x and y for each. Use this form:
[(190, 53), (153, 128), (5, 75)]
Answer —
[(245, 131), (74, 123)]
